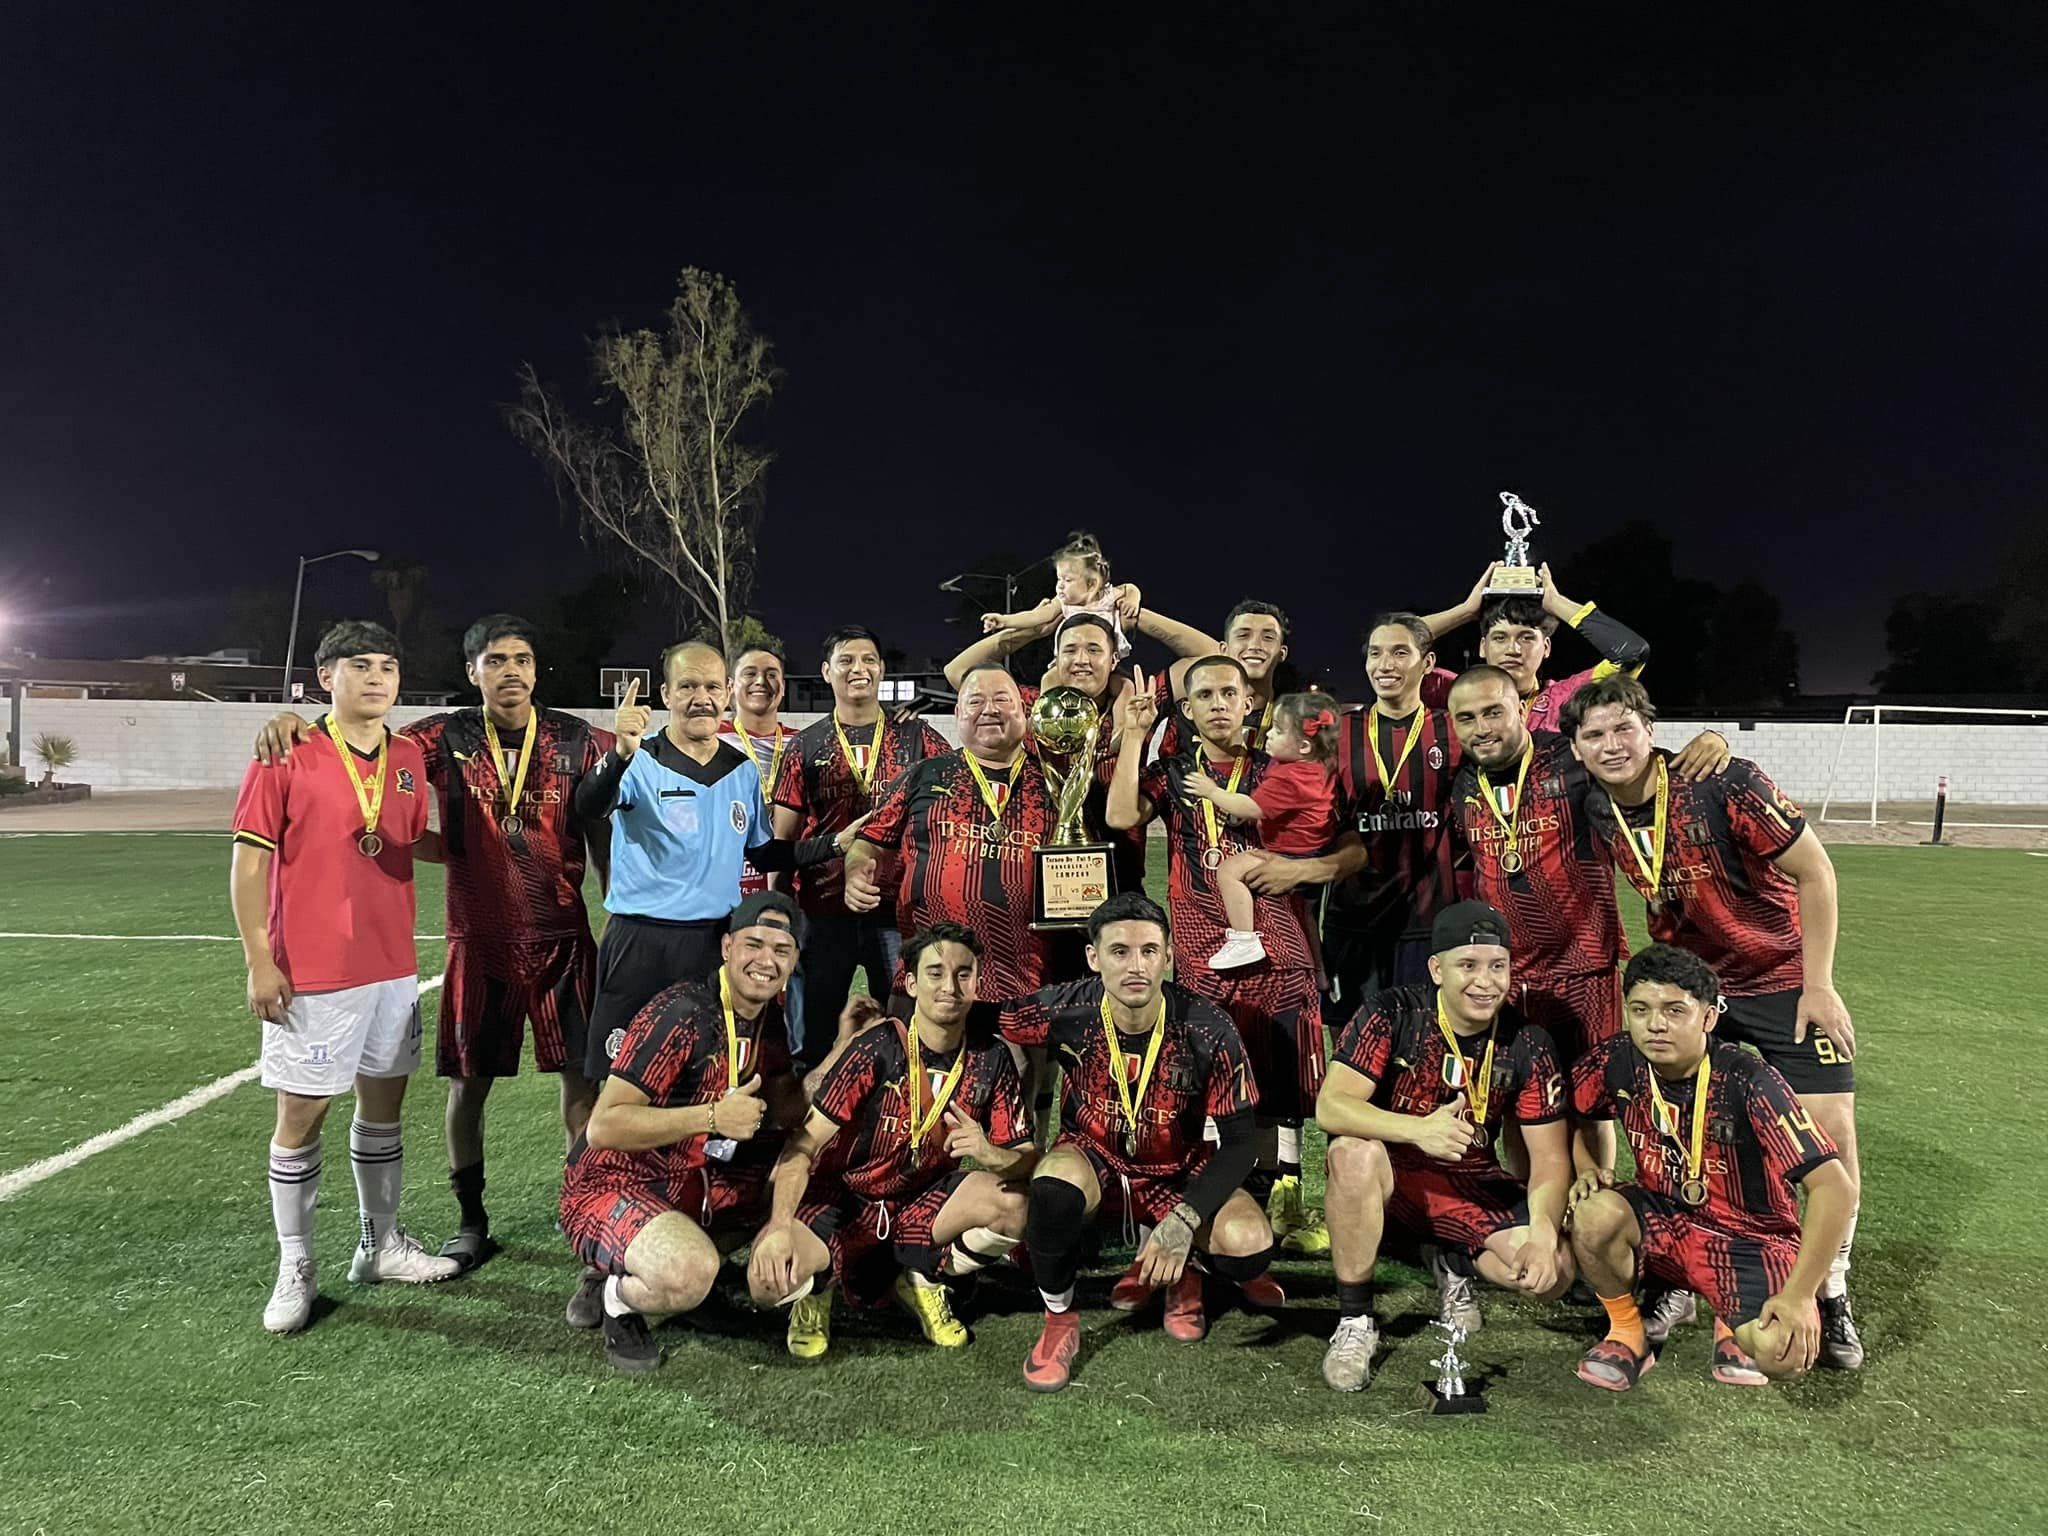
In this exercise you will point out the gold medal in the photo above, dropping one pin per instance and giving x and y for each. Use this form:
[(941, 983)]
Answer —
[(1478, 1085), (1693, 1191), (1511, 861), (513, 825), (1212, 856), (510, 823), (369, 845), (369, 797), (1511, 854), (1648, 864), (1372, 745), (1120, 1073)]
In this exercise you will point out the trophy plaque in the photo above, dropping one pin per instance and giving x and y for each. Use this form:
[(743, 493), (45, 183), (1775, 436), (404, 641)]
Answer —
[(1515, 575), (1448, 1393), (1072, 874)]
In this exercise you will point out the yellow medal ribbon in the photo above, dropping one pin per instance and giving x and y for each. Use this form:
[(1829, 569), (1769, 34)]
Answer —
[(1652, 866), (866, 781), (996, 807), (1667, 1123), (732, 1030), (1511, 856), (1477, 1089), (920, 1128), (525, 761), (1265, 724), (1209, 825), (774, 760), (369, 798), (1372, 744), (1117, 1070)]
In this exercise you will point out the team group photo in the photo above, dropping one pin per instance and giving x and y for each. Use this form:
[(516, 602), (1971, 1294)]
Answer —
[(789, 774)]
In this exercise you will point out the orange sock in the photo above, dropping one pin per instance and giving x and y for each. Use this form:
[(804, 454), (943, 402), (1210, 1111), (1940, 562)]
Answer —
[(1625, 1323)]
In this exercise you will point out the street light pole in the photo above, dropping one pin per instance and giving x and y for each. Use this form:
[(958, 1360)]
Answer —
[(291, 642)]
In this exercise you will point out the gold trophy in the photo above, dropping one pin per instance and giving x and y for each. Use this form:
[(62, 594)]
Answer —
[(1073, 873), (1515, 575)]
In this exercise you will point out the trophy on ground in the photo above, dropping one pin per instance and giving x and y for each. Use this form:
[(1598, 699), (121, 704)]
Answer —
[(1448, 1393), (1515, 574), (1073, 871)]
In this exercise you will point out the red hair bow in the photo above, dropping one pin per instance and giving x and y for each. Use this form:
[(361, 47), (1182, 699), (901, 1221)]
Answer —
[(1315, 722)]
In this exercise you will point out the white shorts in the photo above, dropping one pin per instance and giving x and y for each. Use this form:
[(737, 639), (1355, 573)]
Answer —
[(328, 1039)]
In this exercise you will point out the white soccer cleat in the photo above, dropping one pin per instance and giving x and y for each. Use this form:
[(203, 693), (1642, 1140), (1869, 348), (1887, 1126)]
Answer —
[(1347, 1363), (1239, 949), (1457, 1304), (400, 1257), (290, 1306)]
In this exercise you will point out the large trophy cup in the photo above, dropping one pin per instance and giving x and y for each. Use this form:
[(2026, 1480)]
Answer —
[(1073, 873), (1515, 575)]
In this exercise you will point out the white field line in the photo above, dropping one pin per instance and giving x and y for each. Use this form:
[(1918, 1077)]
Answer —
[(23, 1179), (163, 938)]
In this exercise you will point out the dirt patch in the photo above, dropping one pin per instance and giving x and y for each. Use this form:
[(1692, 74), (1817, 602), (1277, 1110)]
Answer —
[(172, 810), (1905, 823)]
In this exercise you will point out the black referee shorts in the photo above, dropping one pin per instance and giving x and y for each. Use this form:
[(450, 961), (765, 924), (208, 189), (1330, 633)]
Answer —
[(1767, 1021), (639, 958)]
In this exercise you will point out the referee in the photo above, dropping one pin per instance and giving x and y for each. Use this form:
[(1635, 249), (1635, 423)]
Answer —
[(686, 813)]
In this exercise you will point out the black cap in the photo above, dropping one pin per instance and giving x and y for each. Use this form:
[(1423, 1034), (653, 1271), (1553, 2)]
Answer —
[(764, 904), (1467, 922)]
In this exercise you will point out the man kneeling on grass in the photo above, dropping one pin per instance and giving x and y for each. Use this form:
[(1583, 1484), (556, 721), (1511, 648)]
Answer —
[(872, 1189), (1721, 1147)]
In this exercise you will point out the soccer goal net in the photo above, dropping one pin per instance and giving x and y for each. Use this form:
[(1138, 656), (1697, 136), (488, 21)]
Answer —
[(1894, 762)]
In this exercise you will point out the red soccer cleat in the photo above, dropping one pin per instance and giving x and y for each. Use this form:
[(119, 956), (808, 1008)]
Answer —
[(1184, 1317), (1051, 1361), (1130, 1294), (1263, 1292)]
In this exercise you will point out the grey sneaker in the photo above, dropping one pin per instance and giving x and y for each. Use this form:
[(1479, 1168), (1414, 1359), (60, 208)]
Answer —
[(400, 1257), (290, 1306), (1347, 1363), (1841, 1347), (1666, 1310), (586, 1306), (1456, 1303)]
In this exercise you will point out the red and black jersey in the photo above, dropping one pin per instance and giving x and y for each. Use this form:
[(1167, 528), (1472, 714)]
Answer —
[(1411, 852), (674, 1051), (964, 863), (1560, 904), (1759, 1142), (1395, 1041), (818, 783), (1721, 895), (1201, 1072), (511, 890), (1193, 900), (867, 1094)]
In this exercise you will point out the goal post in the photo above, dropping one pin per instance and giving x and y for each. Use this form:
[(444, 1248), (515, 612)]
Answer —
[(2005, 776)]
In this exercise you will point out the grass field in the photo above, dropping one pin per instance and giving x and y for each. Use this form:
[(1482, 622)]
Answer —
[(139, 1393)]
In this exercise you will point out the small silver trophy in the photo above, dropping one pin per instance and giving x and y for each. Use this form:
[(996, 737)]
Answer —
[(1515, 575), (1448, 1393)]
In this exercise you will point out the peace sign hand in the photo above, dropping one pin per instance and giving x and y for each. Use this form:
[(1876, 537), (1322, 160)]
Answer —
[(1137, 711)]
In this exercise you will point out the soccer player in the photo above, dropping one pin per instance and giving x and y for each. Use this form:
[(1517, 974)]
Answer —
[(322, 893), (872, 1188), (1722, 1147), (1275, 1004), (831, 777), (1422, 1080), (689, 821), (756, 688), (1732, 872), (1255, 637), (1515, 635), (1146, 1062), (672, 1168), (967, 822)]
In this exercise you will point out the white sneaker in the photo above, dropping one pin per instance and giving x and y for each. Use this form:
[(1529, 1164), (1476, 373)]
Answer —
[(290, 1306), (1457, 1304), (1238, 949), (1347, 1363), (400, 1257)]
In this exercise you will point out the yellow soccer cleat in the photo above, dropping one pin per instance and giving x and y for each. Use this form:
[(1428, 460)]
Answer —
[(1297, 1228), (1311, 1234), (810, 1325), (933, 1308)]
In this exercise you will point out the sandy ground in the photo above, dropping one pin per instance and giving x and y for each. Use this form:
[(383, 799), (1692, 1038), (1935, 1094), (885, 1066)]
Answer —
[(1900, 823)]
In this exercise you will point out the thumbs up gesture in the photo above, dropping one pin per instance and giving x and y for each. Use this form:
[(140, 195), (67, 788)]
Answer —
[(741, 1111), (629, 720), (1445, 1133)]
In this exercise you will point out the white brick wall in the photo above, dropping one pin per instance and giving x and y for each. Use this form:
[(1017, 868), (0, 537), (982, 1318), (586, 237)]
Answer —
[(169, 745)]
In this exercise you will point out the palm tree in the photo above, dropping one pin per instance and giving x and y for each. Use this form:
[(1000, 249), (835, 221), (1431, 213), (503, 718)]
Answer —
[(56, 752)]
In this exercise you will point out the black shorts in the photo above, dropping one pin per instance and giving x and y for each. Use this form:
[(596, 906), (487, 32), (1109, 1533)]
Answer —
[(1767, 1021), (637, 959), (491, 990), (1362, 963)]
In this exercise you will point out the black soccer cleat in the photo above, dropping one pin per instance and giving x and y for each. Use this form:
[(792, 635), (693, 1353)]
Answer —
[(629, 1343), (1841, 1347)]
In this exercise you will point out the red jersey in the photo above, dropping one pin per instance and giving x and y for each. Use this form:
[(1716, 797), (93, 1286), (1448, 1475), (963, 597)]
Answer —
[(1721, 895), (338, 918), (1560, 903), (1201, 1073), (505, 889), (1299, 801), (1396, 1042), (1759, 1143), (1193, 900), (964, 862), (675, 1052), (824, 789), (1411, 852), (867, 1095)]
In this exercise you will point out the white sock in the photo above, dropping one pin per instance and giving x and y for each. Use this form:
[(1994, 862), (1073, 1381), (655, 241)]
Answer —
[(920, 1281), (977, 1248), (1836, 1282), (1290, 1146), (1059, 1303), (378, 1153), (614, 1304), (294, 1189)]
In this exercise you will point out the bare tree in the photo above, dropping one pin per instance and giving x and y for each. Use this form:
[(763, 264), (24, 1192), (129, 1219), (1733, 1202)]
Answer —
[(672, 484)]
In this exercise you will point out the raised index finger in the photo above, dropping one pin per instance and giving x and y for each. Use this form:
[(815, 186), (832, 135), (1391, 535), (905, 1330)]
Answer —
[(632, 693)]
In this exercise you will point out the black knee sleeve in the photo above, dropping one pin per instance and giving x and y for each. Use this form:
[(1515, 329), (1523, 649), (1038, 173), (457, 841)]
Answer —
[(1052, 1233), (1238, 1270)]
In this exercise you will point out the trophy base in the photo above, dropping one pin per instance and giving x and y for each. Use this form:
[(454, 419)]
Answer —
[(1467, 1402), (1516, 581), (1071, 881)]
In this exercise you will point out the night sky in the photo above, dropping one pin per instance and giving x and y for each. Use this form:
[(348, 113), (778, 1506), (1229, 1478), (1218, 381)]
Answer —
[(1275, 306)]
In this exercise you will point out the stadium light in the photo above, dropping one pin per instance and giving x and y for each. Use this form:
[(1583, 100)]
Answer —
[(291, 641)]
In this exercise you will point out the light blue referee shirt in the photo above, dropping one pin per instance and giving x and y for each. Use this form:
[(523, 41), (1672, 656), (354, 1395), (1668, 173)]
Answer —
[(681, 831)]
